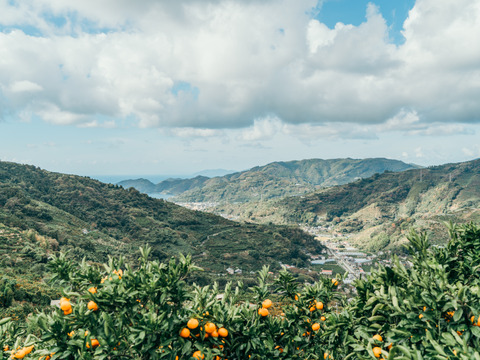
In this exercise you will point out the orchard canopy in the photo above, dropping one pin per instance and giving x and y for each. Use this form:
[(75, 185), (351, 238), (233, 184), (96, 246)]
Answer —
[(429, 309)]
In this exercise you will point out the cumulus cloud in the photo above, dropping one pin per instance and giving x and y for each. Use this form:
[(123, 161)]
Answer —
[(238, 62), (262, 129)]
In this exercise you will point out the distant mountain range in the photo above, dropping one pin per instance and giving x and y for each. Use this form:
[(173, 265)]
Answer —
[(273, 180), (93, 219), (378, 211)]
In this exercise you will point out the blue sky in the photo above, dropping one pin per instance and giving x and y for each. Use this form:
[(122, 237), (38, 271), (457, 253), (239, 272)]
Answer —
[(138, 88), (353, 12)]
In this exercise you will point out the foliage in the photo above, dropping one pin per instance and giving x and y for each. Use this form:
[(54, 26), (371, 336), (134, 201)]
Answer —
[(387, 204), (93, 219), (426, 310)]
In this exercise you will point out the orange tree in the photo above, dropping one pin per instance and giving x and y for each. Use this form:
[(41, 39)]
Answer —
[(426, 309)]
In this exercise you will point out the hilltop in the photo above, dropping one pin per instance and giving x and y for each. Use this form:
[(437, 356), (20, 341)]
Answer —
[(376, 212), (92, 219), (274, 180)]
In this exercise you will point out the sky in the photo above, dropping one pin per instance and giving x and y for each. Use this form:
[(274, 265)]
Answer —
[(154, 87)]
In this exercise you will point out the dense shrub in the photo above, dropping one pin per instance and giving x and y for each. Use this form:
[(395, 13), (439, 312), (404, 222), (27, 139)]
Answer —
[(427, 309)]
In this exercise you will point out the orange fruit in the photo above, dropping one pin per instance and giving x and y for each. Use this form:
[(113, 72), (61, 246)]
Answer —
[(377, 337), (92, 306), (319, 305), (223, 332), (67, 312), (184, 333), (263, 312), (315, 326), (377, 351), (20, 354), (210, 327), (65, 305), (198, 355), (323, 318), (267, 303), (312, 308), (92, 290), (94, 342), (214, 334), (192, 324)]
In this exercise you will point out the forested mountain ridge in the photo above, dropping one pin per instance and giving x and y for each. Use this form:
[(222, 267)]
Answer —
[(93, 219), (377, 211), (277, 179)]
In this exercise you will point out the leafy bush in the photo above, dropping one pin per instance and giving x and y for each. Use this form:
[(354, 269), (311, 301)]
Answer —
[(429, 309)]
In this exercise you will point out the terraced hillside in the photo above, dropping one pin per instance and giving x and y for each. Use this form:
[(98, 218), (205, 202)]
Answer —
[(93, 219), (377, 211)]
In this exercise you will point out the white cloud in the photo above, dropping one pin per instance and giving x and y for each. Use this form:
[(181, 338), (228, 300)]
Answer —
[(262, 129), (188, 132), (240, 60), (24, 86)]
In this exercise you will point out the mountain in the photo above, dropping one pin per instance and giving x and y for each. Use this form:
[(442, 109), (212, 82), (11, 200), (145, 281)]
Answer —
[(273, 180), (172, 186), (291, 178), (378, 211), (89, 218), (142, 185), (213, 172)]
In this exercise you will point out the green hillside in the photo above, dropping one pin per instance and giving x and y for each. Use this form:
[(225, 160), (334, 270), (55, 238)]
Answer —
[(277, 179), (93, 219), (377, 211)]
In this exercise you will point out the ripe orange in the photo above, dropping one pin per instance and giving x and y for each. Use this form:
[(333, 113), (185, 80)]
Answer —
[(210, 327), (67, 312), (94, 342), (65, 305), (223, 332), (319, 305), (267, 303), (263, 312), (377, 337), (92, 290), (323, 318), (192, 324), (198, 355), (315, 326), (92, 306), (184, 333), (377, 351)]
